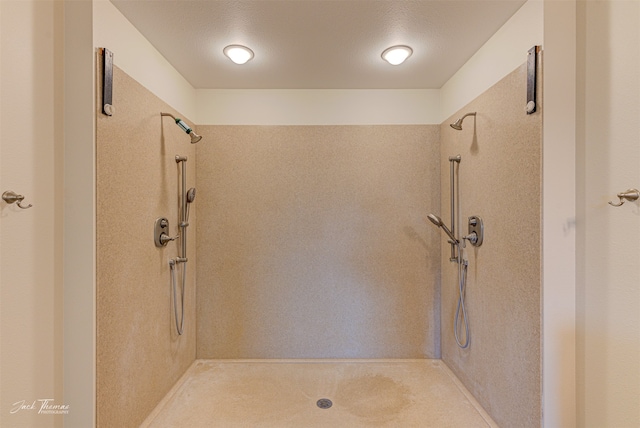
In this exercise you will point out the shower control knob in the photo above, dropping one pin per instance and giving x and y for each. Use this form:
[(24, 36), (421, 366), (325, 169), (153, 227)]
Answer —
[(476, 231), (472, 238), (165, 239), (161, 232)]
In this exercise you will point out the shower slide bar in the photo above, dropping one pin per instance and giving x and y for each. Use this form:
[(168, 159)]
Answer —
[(162, 238), (452, 179), (186, 198)]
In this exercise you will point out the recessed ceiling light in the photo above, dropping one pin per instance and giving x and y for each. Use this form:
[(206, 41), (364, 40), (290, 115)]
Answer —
[(395, 55), (238, 53)]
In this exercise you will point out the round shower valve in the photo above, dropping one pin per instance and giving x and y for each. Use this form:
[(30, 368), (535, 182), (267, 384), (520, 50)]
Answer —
[(476, 231), (161, 232)]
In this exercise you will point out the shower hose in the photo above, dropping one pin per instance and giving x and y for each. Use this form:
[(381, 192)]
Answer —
[(461, 311), (172, 266)]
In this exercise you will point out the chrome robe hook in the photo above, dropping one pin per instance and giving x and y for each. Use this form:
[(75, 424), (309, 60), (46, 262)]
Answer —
[(11, 197), (629, 195)]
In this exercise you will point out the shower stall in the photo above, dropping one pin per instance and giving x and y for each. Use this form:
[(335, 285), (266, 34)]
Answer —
[(309, 255)]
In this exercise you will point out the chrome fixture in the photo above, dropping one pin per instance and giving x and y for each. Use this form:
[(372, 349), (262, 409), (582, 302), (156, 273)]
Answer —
[(476, 231), (238, 54), (630, 195), (191, 196), (396, 55), (324, 403), (457, 125), (454, 218), (461, 310), (161, 232), (194, 137), (458, 255), (10, 197), (438, 222), (186, 199)]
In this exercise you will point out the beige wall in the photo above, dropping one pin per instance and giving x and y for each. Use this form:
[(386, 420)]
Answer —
[(609, 248), (312, 242), (500, 181), (30, 240), (139, 354)]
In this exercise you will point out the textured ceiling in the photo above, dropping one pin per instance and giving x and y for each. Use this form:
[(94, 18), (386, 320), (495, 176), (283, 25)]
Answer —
[(318, 44)]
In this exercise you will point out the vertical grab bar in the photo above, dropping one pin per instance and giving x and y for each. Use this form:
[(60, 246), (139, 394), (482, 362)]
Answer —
[(452, 180)]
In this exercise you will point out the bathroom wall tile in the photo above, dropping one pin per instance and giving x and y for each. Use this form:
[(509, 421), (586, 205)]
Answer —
[(500, 181), (139, 355), (312, 242)]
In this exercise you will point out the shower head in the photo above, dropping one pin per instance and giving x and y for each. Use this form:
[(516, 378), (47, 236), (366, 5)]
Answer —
[(457, 125), (186, 128), (435, 219), (191, 195), (194, 137), (438, 222)]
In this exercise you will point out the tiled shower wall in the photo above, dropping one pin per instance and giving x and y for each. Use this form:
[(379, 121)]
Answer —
[(139, 354), (500, 181), (312, 242)]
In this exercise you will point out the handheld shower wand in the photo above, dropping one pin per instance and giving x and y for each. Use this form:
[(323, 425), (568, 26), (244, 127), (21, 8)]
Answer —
[(461, 310), (191, 196), (438, 222)]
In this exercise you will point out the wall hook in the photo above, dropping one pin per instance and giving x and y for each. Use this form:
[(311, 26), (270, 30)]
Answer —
[(11, 197), (629, 195)]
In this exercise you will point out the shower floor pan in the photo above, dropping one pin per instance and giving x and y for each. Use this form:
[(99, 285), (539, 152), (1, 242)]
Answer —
[(318, 393)]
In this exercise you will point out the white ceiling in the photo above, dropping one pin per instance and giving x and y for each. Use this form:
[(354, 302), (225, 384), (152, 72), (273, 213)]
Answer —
[(317, 44)]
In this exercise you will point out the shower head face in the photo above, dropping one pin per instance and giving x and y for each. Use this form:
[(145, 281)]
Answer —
[(457, 125), (191, 195), (194, 137)]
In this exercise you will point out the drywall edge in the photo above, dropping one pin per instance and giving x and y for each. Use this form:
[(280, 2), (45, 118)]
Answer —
[(79, 262)]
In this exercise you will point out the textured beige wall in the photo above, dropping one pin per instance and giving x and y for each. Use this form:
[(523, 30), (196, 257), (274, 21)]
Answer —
[(500, 181), (139, 354), (608, 291), (312, 242), (31, 138)]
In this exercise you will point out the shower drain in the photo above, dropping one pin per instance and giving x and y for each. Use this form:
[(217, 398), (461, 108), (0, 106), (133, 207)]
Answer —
[(324, 403)]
